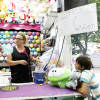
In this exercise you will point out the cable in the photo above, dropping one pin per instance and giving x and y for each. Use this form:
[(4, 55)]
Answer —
[(51, 53), (61, 51)]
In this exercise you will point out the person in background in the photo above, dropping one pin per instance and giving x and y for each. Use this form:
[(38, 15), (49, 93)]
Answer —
[(19, 61), (88, 78)]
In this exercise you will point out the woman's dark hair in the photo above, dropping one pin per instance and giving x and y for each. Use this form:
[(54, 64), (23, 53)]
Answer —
[(85, 62)]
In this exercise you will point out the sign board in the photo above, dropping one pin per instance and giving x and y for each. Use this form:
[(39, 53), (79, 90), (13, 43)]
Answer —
[(78, 20)]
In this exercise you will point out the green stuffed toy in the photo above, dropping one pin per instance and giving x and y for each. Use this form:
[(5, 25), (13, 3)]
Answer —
[(59, 77)]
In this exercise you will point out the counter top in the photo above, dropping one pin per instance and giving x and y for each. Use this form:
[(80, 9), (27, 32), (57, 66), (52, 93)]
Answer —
[(5, 73), (34, 91)]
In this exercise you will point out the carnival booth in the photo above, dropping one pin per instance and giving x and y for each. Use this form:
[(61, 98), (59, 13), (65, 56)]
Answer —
[(54, 49)]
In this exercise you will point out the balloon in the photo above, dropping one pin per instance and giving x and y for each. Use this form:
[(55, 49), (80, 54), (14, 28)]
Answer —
[(27, 36), (7, 41), (37, 33), (11, 40), (2, 32), (2, 41), (8, 37), (16, 32), (4, 36), (33, 41), (35, 37), (4, 45), (7, 49), (29, 41), (32, 53), (33, 49), (31, 37), (6, 32), (25, 33), (4, 55), (38, 49), (1, 59), (11, 33), (13, 37), (35, 53), (31, 45), (33, 33), (35, 45), (29, 33), (1, 37), (38, 41), (13, 45)]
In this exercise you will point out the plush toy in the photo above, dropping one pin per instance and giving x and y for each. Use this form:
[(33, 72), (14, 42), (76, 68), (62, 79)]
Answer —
[(59, 77), (74, 80)]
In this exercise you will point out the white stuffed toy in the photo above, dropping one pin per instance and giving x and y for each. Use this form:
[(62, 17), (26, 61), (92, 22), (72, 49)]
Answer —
[(74, 80)]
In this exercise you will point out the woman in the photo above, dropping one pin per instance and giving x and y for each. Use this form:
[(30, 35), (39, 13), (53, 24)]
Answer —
[(19, 61)]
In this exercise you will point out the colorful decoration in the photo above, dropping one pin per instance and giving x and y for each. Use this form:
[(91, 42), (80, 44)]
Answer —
[(33, 49), (35, 53), (31, 45), (38, 49), (38, 41), (4, 36), (33, 33), (37, 33), (7, 49), (2, 33), (35, 45), (29, 33), (8, 40), (6, 32), (0, 36), (16, 32), (31, 37), (33, 41), (29, 41), (11, 33), (35, 37)]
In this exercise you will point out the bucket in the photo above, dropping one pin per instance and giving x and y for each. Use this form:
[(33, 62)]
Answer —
[(39, 77)]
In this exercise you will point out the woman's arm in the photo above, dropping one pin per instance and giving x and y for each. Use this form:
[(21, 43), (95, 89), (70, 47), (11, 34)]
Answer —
[(10, 62), (83, 88)]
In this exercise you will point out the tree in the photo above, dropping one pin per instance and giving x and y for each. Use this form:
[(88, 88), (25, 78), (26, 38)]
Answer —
[(78, 46)]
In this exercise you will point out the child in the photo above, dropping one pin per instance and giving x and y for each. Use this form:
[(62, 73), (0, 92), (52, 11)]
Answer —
[(88, 78)]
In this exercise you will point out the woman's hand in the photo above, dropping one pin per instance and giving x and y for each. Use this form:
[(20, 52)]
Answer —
[(23, 62), (37, 60)]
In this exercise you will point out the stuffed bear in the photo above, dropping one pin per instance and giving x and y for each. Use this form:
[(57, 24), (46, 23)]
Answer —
[(73, 80)]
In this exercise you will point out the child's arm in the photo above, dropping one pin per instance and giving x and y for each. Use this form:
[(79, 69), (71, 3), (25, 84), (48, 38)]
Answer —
[(83, 88)]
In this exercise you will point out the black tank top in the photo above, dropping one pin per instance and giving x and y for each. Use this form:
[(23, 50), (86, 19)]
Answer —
[(21, 73)]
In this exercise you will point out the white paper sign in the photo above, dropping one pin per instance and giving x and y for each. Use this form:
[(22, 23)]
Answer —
[(78, 20)]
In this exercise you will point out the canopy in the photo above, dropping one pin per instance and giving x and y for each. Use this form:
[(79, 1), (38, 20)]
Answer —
[(17, 26)]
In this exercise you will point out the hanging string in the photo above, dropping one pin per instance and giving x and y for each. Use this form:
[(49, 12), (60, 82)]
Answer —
[(61, 51), (52, 51)]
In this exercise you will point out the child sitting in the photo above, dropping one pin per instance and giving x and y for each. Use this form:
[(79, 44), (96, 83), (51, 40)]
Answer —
[(88, 78)]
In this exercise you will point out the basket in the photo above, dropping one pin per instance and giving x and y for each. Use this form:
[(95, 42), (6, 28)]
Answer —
[(39, 77)]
